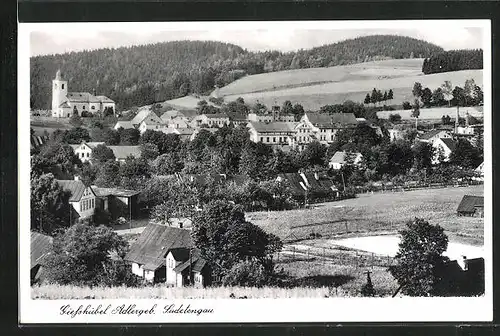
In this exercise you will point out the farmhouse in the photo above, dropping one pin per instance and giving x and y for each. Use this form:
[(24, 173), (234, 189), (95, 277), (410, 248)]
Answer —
[(471, 206), (151, 258), (339, 159), (211, 120), (41, 245), (65, 104), (322, 127), (119, 202), (145, 114), (443, 149), (84, 151), (82, 199), (275, 133), (434, 135)]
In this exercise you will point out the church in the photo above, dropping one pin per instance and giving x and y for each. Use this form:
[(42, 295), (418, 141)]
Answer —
[(65, 104)]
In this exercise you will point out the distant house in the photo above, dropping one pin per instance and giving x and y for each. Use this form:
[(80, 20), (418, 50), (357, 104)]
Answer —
[(265, 118), (238, 119), (435, 135), (82, 199), (172, 114), (41, 245), (184, 133), (151, 124), (185, 266), (322, 127), (480, 169), (151, 258), (278, 134), (338, 159), (119, 202), (145, 115), (443, 149), (211, 120), (84, 151), (177, 122), (471, 206), (125, 124), (309, 185)]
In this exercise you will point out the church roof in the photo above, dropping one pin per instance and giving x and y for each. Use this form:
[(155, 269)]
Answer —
[(65, 104), (104, 99), (82, 97)]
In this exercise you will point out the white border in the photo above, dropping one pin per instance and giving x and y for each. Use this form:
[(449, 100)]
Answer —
[(257, 310)]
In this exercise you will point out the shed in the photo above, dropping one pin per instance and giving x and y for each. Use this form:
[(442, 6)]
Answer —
[(471, 206), (119, 202)]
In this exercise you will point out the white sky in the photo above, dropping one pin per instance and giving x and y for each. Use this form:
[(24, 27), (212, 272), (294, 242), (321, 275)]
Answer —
[(254, 36)]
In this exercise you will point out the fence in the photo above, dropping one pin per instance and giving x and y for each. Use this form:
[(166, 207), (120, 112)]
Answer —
[(422, 186), (338, 256)]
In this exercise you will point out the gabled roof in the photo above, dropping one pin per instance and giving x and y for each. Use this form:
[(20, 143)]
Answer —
[(103, 192), (154, 243), (469, 203), (92, 145), (104, 99), (450, 143), (273, 127), (431, 134), (40, 246), (125, 124), (171, 115), (65, 104), (320, 184), (76, 189), (339, 157), (334, 120), (122, 152), (141, 115), (197, 263), (295, 182), (82, 97), (180, 254)]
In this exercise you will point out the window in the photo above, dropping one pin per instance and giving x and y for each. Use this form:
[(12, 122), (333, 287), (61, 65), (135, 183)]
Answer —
[(88, 154), (81, 207), (92, 201), (267, 139), (261, 139), (62, 86), (274, 139), (93, 107), (83, 107)]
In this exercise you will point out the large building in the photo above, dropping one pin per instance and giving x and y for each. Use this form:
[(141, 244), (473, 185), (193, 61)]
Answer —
[(65, 104)]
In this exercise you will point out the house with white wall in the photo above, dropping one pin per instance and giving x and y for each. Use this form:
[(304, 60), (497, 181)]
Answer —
[(339, 159), (279, 134), (82, 198), (443, 147), (84, 151), (211, 120)]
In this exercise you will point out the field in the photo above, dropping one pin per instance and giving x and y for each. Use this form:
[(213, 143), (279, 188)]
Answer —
[(50, 124), (316, 87), (371, 214), (435, 113)]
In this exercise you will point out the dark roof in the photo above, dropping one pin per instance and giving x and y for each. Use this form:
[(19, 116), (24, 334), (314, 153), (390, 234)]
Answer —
[(180, 254), (76, 188), (469, 203), (197, 263), (272, 127), (325, 120), (295, 182), (320, 184), (40, 246), (154, 243), (450, 143), (102, 192), (82, 97), (431, 133)]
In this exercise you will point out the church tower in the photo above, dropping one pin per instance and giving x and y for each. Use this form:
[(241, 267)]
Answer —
[(59, 92)]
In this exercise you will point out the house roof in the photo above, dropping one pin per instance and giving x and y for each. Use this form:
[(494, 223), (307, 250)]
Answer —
[(65, 104), (431, 134), (469, 203), (122, 152), (91, 144), (103, 192), (82, 97), (40, 246), (76, 189), (180, 254), (480, 168), (295, 182), (171, 115), (125, 124), (339, 157), (320, 184), (217, 116), (154, 243), (450, 143), (273, 127), (104, 99), (197, 263), (140, 116), (325, 120)]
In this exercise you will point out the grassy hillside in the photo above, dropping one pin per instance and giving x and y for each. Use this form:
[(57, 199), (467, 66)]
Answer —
[(348, 86), (376, 213)]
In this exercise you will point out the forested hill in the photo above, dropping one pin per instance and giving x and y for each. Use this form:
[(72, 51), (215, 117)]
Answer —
[(140, 75)]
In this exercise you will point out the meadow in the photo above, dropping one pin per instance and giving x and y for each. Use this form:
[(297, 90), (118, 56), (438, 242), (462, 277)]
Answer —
[(371, 214), (313, 88)]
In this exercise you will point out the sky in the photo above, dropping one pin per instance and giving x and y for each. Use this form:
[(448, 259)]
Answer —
[(60, 38)]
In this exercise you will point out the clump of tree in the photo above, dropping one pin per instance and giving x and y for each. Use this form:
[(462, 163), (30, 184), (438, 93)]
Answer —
[(453, 60), (420, 259), (235, 249), (376, 96), (85, 255)]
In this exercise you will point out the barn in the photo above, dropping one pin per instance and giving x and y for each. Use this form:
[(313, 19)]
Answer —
[(471, 206)]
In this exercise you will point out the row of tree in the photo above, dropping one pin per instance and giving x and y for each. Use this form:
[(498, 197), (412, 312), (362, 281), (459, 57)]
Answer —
[(453, 60), (376, 96)]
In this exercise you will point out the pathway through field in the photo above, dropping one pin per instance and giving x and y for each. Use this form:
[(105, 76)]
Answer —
[(388, 245)]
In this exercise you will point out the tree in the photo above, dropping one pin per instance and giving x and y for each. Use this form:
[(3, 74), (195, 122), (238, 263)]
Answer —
[(465, 155), (406, 105), (374, 97), (58, 154), (75, 120), (76, 136), (50, 209), (149, 151), (313, 154), (390, 95), (447, 91), (225, 238), (426, 97), (101, 154), (108, 175), (423, 153), (417, 90), (82, 256), (415, 113), (367, 289), (394, 118), (368, 99), (287, 108), (298, 111), (129, 136), (419, 259), (438, 98), (167, 164)]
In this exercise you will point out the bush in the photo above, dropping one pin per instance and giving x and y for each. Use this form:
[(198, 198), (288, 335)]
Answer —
[(249, 273), (394, 118), (406, 106)]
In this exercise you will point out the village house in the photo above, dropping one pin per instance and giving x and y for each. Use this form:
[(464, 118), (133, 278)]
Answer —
[(471, 206), (84, 151), (125, 124), (309, 186), (177, 122), (66, 104), (183, 133), (322, 127), (435, 135), (165, 254), (443, 149), (82, 199), (395, 134), (210, 120), (280, 134), (339, 159), (118, 202), (41, 245)]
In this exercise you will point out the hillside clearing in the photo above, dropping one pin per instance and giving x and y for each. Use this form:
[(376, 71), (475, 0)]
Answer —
[(370, 214)]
